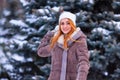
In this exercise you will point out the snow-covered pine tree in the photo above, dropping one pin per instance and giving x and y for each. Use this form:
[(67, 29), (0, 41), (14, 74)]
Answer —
[(23, 27)]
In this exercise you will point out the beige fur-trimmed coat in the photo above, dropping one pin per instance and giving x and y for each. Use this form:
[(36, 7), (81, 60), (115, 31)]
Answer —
[(77, 56)]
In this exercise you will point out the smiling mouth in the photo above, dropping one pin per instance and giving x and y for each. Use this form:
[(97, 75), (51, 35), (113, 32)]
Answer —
[(65, 29)]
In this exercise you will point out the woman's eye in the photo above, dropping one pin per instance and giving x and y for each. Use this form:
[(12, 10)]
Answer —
[(62, 23), (68, 23)]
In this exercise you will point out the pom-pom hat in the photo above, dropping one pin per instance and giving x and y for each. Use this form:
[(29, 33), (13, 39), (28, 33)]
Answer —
[(69, 15)]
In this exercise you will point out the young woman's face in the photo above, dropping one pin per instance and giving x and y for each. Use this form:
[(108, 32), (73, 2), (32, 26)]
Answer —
[(65, 26)]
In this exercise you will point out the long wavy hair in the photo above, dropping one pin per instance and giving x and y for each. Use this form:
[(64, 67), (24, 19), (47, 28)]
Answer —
[(56, 37)]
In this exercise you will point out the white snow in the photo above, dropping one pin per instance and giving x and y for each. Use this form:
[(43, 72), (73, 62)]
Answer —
[(118, 26), (18, 58), (83, 0), (32, 20), (2, 32), (46, 18), (24, 2), (20, 42), (18, 23), (41, 28), (77, 14), (2, 59), (19, 37), (116, 15), (106, 73), (29, 59), (8, 67), (31, 16), (2, 21), (116, 23), (43, 11), (3, 40), (91, 1), (56, 9), (6, 12), (21, 58), (101, 30)]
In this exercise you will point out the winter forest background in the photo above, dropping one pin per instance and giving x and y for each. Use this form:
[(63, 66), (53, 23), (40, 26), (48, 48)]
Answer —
[(24, 22)]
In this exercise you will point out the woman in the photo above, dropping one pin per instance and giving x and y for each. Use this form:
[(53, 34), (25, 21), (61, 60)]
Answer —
[(68, 48)]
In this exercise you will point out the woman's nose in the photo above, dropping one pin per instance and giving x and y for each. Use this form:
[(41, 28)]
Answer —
[(65, 25)]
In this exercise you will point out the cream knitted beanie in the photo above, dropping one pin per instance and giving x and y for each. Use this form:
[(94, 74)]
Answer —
[(69, 15)]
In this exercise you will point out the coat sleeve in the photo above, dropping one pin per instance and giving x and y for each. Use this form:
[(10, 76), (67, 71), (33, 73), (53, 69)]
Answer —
[(83, 59), (44, 46)]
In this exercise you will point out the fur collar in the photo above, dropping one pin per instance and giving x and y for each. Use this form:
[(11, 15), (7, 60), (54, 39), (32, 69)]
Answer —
[(74, 36)]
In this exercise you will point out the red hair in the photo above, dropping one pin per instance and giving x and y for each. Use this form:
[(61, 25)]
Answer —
[(56, 37)]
